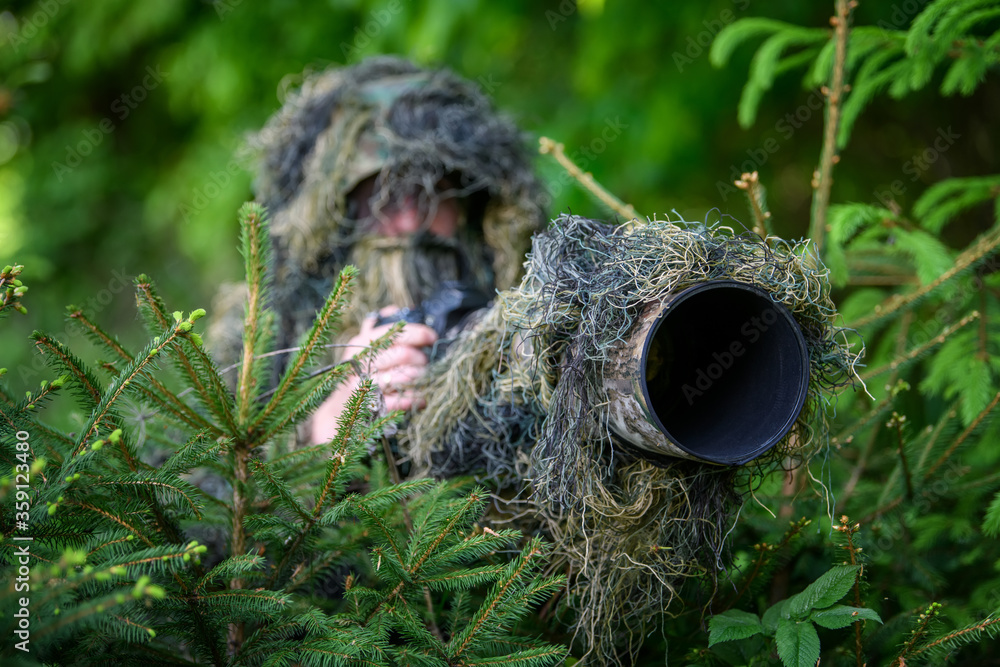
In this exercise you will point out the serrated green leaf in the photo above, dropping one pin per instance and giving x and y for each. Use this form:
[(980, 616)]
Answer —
[(731, 625), (825, 591), (840, 616), (798, 643), (771, 617)]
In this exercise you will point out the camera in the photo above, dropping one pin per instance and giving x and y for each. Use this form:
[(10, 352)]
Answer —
[(446, 311)]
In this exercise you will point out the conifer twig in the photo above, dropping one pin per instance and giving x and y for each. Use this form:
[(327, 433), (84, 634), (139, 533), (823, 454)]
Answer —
[(921, 349), (849, 529), (390, 461), (897, 422), (256, 251), (978, 627), (823, 177), (162, 396), (918, 633), (965, 434), (984, 246), (586, 179), (750, 184)]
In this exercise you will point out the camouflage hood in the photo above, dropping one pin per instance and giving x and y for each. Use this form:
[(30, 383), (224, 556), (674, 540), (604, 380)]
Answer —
[(408, 127)]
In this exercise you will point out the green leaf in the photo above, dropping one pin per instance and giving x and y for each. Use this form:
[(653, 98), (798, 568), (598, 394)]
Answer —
[(823, 592), (798, 643), (776, 612), (733, 624), (840, 616)]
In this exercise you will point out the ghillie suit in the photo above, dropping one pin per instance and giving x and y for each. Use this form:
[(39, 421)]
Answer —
[(390, 130), (520, 396)]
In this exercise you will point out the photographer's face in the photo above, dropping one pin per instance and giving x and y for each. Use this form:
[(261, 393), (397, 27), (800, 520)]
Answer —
[(406, 217), (407, 246)]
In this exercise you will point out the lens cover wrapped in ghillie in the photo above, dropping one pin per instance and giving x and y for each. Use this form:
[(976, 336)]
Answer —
[(521, 396), (410, 129)]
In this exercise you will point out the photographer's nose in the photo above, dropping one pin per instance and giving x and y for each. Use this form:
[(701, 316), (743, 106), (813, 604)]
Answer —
[(406, 219)]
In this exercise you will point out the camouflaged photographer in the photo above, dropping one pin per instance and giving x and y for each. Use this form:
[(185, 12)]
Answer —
[(406, 173), (411, 176)]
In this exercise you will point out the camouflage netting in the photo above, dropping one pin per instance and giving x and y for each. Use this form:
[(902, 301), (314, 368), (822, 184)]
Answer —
[(520, 396), (389, 132)]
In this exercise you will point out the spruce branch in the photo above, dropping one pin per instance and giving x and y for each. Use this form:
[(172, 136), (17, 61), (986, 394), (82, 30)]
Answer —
[(350, 424), (965, 434), (472, 504), (97, 334), (963, 636), (154, 313), (326, 321), (67, 361), (917, 634), (896, 423), (307, 402), (354, 427), (847, 529), (967, 259), (751, 185), (766, 555), (11, 289), (518, 568), (256, 251), (132, 373), (157, 393), (196, 368), (138, 483), (114, 519), (823, 177), (278, 489), (921, 350)]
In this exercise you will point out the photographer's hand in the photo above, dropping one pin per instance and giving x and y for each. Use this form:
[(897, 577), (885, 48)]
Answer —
[(393, 371)]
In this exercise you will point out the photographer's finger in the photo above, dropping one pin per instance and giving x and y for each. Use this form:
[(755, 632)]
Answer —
[(416, 335), (368, 325), (399, 355), (404, 401), (398, 379)]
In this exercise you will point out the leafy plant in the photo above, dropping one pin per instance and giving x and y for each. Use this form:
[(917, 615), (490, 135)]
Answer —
[(791, 622), (209, 537)]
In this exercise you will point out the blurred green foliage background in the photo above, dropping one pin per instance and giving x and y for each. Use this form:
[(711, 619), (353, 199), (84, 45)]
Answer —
[(120, 120)]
